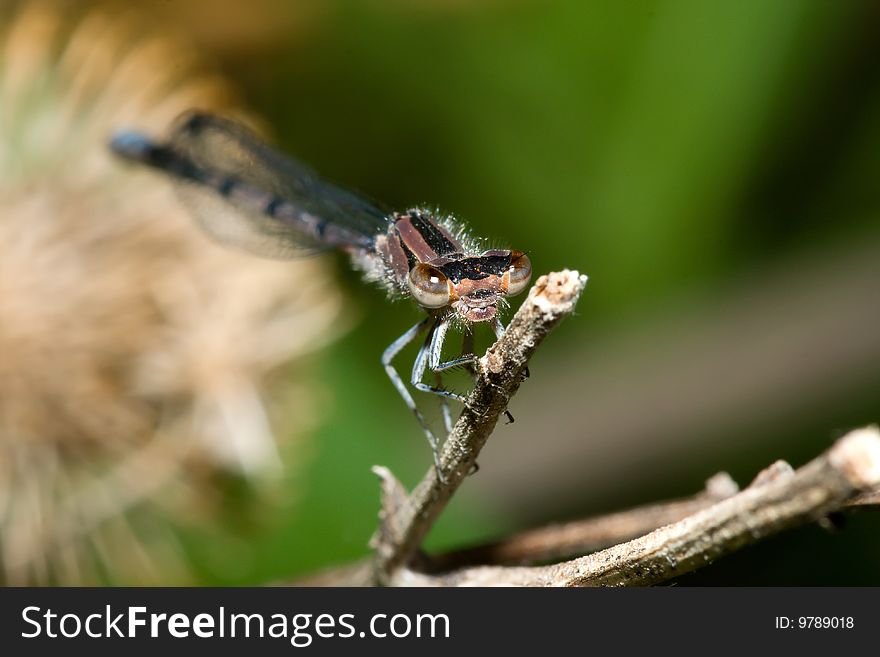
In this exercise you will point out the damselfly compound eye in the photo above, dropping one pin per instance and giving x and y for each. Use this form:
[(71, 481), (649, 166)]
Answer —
[(517, 276), (429, 286)]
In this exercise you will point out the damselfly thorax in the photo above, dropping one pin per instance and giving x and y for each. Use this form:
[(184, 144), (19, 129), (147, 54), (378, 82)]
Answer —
[(248, 195), (432, 264)]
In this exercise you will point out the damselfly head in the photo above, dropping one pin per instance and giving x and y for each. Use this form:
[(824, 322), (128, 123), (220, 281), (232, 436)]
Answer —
[(473, 285)]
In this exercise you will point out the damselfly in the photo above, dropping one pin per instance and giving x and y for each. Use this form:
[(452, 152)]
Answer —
[(246, 194)]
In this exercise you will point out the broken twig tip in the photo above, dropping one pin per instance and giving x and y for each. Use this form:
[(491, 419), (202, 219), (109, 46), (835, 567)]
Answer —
[(557, 289), (857, 456)]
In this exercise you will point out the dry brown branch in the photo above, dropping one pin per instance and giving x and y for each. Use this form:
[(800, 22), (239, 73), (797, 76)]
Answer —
[(405, 521), (779, 498), (673, 537), (566, 540), (577, 537), (713, 523), (549, 543)]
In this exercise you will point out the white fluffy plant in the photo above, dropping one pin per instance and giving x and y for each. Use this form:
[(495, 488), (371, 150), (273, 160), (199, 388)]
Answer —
[(133, 351)]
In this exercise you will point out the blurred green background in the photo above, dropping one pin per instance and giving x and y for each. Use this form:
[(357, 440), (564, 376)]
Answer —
[(711, 166)]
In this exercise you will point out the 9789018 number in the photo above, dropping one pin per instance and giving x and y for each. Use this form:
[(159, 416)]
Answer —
[(815, 622)]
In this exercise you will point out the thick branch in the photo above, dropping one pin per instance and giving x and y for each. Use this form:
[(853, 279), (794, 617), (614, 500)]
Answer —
[(579, 537), (778, 499), (406, 521)]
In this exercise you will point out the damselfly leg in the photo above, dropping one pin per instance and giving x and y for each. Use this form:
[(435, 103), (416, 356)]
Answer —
[(498, 328), (466, 362), (387, 356), (429, 356)]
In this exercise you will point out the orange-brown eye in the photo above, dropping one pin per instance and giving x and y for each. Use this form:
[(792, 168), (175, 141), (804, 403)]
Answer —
[(517, 277), (429, 286)]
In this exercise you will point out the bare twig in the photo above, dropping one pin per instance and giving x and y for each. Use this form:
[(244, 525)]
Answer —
[(578, 537), (566, 540), (406, 521), (549, 543), (712, 524), (779, 498), (542, 544)]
